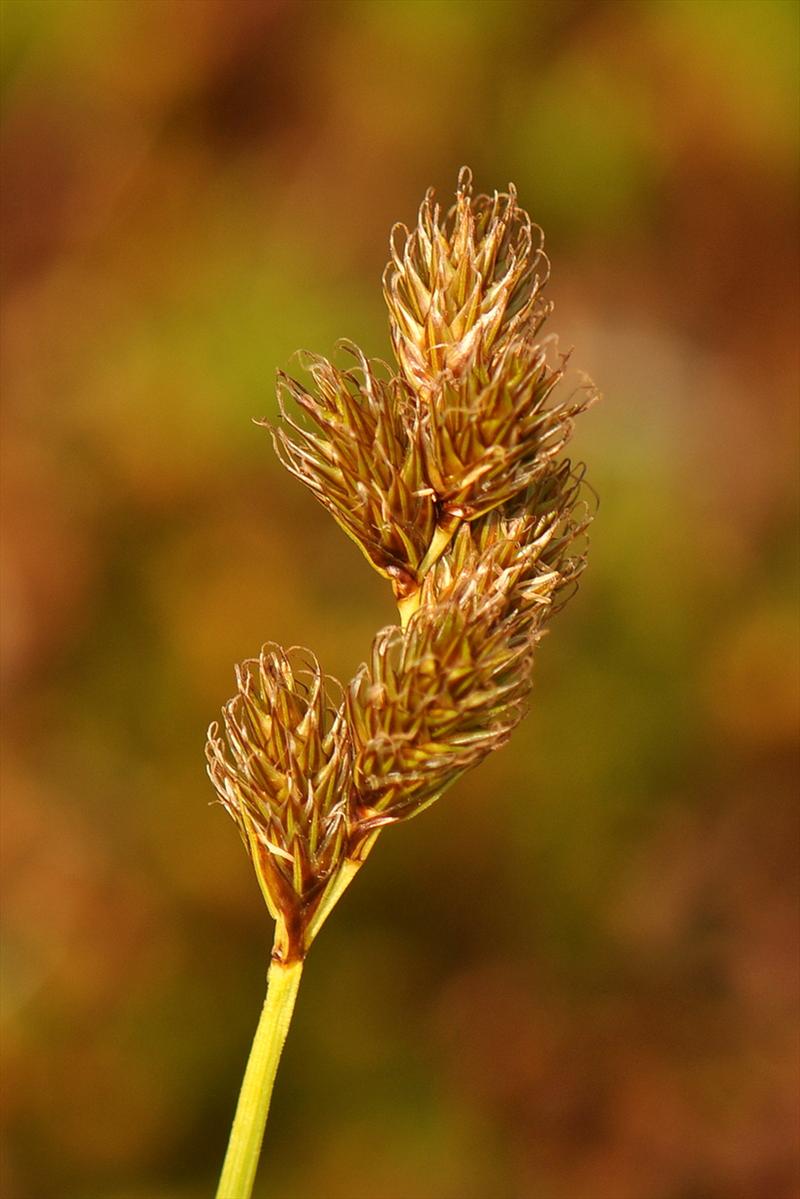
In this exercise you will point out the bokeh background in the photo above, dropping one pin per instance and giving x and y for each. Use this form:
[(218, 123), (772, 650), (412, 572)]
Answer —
[(577, 976)]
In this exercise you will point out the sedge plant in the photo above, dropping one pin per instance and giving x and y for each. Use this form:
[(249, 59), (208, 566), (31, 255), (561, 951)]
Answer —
[(448, 471)]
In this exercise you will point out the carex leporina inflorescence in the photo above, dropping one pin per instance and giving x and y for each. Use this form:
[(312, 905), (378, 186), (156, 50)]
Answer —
[(449, 473)]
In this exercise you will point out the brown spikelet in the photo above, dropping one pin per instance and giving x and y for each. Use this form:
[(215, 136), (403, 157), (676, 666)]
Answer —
[(432, 702), (524, 558), (465, 286), (362, 461), (281, 765), (493, 434)]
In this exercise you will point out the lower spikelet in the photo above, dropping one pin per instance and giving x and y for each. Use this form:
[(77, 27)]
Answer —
[(281, 766)]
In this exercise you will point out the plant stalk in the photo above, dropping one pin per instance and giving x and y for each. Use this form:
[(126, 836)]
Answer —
[(244, 1147)]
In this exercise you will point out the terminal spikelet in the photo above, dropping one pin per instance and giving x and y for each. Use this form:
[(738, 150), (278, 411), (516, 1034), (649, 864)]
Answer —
[(465, 286)]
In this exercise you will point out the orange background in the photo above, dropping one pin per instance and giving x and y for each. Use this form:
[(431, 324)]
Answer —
[(577, 976)]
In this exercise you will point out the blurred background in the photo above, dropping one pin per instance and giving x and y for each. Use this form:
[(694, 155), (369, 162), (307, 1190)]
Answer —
[(576, 977)]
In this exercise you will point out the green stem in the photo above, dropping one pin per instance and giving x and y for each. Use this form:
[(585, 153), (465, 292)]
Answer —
[(244, 1147)]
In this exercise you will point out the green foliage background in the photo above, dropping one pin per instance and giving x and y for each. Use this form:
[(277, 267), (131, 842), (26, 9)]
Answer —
[(577, 976)]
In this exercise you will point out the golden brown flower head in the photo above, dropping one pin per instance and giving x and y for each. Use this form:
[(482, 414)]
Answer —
[(363, 462), (463, 288), (522, 560), (281, 766), (433, 701), (492, 434), (450, 477)]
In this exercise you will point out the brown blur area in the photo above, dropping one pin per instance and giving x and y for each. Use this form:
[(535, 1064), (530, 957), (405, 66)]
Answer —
[(576, 977)]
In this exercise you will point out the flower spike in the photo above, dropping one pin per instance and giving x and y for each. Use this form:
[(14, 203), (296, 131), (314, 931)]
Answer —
[(465, 286), (281, 766), (363, 461), (433, 701)]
